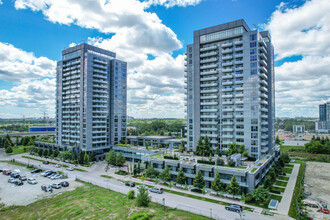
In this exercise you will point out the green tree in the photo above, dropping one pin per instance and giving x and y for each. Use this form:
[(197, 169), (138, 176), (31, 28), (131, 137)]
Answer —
[(45, 153), (277, 140), (241, 149), (268, 181), (216, 184), (199, 180), (111, 157), (217, 151), (17, 141), (51, 152), (285, 157), (146, 144), (151, 172), (81, 157), (56, 152), (31, 142), (181, 178), (143, 198), (233, 188), (200, 146), (207, 147), (66, 155), (138, 168), (232, 149), (231, 163), (135, 170), (86, 158), (219, 162), (131, 194), (166, 174), (9, 150), (120, 160), (260, 194), (7, 144), (40, 151)]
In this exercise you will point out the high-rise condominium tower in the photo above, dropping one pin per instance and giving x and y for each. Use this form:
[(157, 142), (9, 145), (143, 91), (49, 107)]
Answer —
[(230, 88), (323, 125), (90, 98)]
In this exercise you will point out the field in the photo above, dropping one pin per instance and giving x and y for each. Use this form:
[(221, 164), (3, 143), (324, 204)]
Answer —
[(20, 149), (90, 202)]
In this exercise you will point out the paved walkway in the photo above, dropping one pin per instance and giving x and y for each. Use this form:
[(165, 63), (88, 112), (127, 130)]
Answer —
[(284, 206)]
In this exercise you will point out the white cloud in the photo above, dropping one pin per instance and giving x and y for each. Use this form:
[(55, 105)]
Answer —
[(1, 2), (172, 3), (35, 95), (301, 31), (17, 65)]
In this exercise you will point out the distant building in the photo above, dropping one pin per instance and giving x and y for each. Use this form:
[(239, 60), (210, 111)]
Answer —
[(155, 141), (323, 124), (298, 129), (41, 129)]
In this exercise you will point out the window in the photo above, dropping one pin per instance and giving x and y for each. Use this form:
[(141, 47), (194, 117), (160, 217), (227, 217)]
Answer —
[(254, 121), (253, 65), (253, 37), (254, 135), (253, 44), (253, 58), (254, 71), (254, 128), (253, 51)]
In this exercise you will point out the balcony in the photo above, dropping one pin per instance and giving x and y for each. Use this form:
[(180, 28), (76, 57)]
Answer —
[(227, 64), (228, 103), (238, 55), (208, 48), (210, 135), (209, 122), (227, 83), (209, 116), (264, 143), (226, 51), (263, 95), (209, 110), (240, 42), (227, 76), (263, 102), (209, 103), (209, 72), (240, 95), (263, 56), (239, 102), (263, 63), (227, 123), (227, 109), (228, 57), (264, 109), (228, 116), (227, 96), (209, 91), (238, 49), (239, 116), (209, 78), (263, 50), (264, 123), (264, 116), (263, 82), (238, 61), (237, 82), (212, 66), (227, 129), (209, 60), (238, 68), (208, 54), (227, 45), (209, 85), (264, 136), (262, 43), (264, 89), (227, 90), (227, 70), (227, 136), (209, 97), (264, 76), (209, 129)]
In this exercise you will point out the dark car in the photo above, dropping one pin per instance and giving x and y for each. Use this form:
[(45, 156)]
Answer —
[(45, 162), (36, 171), (22, 178), (64, 184), (19, 183), (15, 175), (234, 208), (130, 184), (47, 173)]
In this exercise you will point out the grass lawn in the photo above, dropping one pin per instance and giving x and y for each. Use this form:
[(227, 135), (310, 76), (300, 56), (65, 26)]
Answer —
[(20, 149), (274, 197), (281, 183), (275, 189), (106, 176), (90, 202), (283, 178), (287, 170), (298, 188), (289, 165), (296, 149), (17, 164)]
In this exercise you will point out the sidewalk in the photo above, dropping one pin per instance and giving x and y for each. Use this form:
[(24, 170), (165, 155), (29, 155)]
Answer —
[(284, 205)]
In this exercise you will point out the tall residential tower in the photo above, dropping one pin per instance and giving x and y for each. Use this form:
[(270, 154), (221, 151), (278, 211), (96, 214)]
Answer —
[(230, 88), (90, 98), (323, 125)]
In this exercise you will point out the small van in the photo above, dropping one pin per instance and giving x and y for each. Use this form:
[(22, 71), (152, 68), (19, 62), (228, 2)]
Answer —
[(158, 190)]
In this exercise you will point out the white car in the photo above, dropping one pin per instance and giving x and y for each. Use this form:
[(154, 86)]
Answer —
[(58, 165), (57, 176), (143, 186), (32, 181), (70, 169)]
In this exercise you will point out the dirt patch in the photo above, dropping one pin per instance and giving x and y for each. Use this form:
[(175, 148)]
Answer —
[(317, 176)]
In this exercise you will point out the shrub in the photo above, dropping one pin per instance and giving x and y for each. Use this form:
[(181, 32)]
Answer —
[(206, 162), (9, 150), (248, 197), (171, 157), (131, 194), (143, 198), (141, 216), (231, 163)]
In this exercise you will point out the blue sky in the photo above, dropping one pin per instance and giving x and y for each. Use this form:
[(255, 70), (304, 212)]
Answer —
[(151, 36)]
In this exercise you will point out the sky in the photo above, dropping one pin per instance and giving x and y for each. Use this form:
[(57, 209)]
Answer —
[(151, 35)]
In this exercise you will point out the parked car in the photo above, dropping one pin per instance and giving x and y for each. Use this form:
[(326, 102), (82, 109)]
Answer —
[(130, 184), (70, 169), (1, 170), (6, 172), (47, 188), (234, 208), (57, 176), (57, 165), (142, 186), (51, 175), (64, 184), (47, 173), (36, 171), (15, 175), (158, 190), (11, 180), (18, 183), (56, 186), (22, 178), (45, 162), (32, 181), (326, 211)]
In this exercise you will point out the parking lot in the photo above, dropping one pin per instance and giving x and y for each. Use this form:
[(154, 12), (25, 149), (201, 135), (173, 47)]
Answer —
[(10, 194)]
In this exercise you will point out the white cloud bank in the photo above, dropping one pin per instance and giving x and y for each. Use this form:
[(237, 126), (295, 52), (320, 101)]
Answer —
[(302, 31)]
